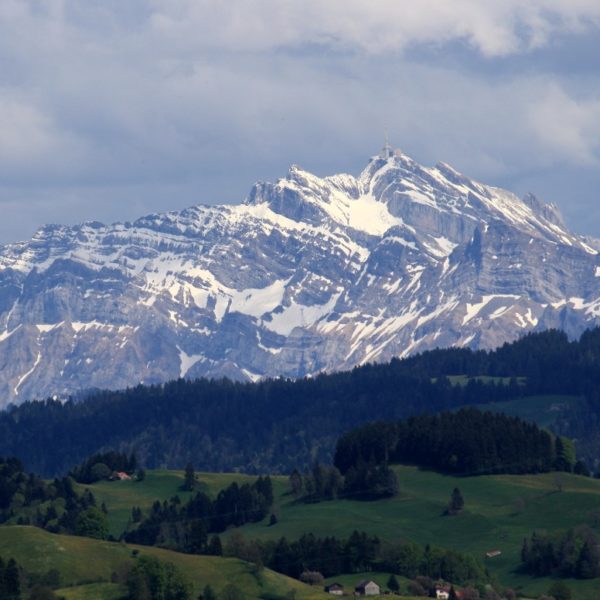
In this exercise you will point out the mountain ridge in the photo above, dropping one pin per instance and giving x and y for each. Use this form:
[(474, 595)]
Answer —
[(308, 274)]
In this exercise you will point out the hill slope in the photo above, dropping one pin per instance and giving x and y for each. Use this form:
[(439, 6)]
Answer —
[(83, 560), (500, 511), (309, 274)]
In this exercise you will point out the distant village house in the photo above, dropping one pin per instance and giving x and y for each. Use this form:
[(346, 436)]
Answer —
[(367, 588), (442, 591), (337, 589)]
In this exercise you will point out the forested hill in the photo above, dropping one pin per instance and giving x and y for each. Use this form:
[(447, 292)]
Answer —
[(275, 425), (465, 442)]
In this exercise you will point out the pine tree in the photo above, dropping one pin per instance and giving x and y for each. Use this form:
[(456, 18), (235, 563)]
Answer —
[(296, 483), (457, 502), (190, 478), (208, 593), (393, 584), (12, 580), (588, 564), (214, 546), (136, 514), (525, 552)]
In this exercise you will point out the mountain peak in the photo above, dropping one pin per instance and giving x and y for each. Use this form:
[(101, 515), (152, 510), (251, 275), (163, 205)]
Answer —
[(309, 274)]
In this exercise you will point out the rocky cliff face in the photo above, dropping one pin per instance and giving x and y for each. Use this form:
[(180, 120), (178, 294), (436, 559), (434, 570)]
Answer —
[(309, 274)]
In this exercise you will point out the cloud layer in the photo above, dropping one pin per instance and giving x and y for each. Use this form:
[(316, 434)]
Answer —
[(491, 27), (109, 109)]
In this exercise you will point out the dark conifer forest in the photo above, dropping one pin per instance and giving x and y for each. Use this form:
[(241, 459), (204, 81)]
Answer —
[(465, 442), (276, 425)]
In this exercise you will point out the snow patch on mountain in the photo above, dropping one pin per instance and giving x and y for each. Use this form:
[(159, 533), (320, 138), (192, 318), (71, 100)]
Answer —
[(187, 361), (308, 274)]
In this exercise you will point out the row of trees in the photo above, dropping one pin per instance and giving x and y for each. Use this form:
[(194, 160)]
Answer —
[(330, 556), (185, 526), (467, 441), (575, 553), (323, 482), (410, 560)]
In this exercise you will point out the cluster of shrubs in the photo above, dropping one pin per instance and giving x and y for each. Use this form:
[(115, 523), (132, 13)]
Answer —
[(366, 481)]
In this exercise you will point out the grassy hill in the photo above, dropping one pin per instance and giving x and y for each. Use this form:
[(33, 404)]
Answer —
[(86, 566), (121, 496), (500, 511)]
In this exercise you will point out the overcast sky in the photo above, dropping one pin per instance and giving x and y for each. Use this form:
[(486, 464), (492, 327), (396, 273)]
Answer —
[(113, 109)]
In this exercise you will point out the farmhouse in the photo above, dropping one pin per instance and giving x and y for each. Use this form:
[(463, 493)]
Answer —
[(337, 589), (122, 476), (442, 591), (367, 588)]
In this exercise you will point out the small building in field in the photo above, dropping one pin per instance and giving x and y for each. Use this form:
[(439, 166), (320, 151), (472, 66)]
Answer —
[(122, 476), (337, 589), (367, 588), (493, 553), (442, 591)]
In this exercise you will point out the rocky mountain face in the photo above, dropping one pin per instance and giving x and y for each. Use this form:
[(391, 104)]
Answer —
[(309, 274)]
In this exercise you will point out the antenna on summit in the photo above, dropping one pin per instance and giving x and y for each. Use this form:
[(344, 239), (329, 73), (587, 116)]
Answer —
[(387, 151)]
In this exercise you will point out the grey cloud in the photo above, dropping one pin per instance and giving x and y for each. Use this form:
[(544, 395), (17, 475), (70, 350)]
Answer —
[(110, 110), (492, 27)]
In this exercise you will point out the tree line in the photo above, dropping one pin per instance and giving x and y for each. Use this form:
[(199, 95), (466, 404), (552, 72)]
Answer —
[(276, 425), (330, 556), (574, 553), (468, 442)]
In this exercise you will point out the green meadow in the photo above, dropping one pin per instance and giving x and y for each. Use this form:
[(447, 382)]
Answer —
[(500, 511), (121, 496), (86, 566)]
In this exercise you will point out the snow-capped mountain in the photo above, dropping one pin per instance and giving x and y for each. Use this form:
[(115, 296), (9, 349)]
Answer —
[(309, 274)]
